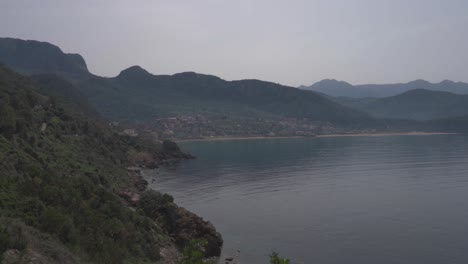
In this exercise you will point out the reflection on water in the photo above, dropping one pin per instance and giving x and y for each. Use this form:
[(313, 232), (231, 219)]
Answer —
[(400, 199)]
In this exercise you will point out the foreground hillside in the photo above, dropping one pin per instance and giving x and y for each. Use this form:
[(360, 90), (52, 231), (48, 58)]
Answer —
[(205, 105), (67, 194)]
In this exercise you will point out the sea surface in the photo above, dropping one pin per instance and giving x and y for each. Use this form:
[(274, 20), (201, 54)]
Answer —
[(365, 200)]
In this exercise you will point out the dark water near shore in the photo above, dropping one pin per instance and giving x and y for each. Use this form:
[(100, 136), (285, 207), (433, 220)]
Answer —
[(394, 199)]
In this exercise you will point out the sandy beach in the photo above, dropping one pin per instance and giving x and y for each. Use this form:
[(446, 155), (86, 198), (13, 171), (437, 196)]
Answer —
[(414, 133)]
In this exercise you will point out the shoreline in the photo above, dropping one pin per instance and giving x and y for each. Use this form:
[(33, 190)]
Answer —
[(414, 133)]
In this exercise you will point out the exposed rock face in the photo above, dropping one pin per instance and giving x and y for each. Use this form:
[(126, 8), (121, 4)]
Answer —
[(145, 160), (131, 193), (188, 225), (181, 224), (170, 254)]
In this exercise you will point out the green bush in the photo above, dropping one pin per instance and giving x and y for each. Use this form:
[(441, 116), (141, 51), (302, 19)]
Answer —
[(7, 120), (170, 146), (65, 180), (276, 259), (193, 253), (11, 237), (53, 221), (155, 204), (4, 239)]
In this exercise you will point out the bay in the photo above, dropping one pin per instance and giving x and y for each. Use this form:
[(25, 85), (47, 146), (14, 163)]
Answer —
[(392, 199)]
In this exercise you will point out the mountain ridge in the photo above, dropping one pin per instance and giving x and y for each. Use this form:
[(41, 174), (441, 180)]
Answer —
[(416, 104), (137, 96), (33, 57), (340, 88)]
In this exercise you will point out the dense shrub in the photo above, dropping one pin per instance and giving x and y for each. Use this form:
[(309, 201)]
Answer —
[(158, 206), (193, 253), (4, 239), (60, 174), (170, 146), (276, 259)]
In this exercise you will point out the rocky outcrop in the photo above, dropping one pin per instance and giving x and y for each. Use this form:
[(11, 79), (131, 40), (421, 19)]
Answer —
[(188, 226), (137, 184), (170, 254), (180, 224)]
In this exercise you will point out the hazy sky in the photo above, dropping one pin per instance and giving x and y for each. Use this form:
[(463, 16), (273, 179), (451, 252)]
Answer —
[(290, 42)]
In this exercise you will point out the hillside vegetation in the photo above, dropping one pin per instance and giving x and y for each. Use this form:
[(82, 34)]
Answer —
[(418, 104), (192, 105), (66, 195), (136, 96)]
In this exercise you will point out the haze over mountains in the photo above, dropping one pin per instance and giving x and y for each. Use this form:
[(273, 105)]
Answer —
[(136, 95), (340, 88), (190, 104), (417, 104)]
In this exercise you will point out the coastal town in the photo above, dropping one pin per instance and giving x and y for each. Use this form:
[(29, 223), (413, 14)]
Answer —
[(184, 127)]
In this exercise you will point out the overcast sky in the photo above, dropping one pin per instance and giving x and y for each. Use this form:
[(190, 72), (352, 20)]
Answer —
[(289, 42)]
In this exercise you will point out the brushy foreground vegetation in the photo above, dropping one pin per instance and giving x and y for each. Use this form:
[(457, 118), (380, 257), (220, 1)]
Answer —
[(60, 173)]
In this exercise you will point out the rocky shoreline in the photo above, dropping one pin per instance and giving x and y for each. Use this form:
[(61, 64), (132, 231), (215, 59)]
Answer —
[(183, 225)]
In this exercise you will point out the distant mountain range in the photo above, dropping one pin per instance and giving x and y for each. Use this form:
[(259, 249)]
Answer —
[(417, 104), (135, 95), (206, 105), (340, 88)]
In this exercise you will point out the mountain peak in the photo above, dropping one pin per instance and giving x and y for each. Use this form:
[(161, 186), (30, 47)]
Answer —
[(193, 75), (134, 72), (31, 56), (447, 82), (420, 83), (332, 82)]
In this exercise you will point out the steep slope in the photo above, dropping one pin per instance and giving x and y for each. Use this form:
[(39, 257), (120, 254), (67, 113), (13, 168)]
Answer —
[(65, 187), (138, 96), (343, 89), (59, 88), (33, 57)]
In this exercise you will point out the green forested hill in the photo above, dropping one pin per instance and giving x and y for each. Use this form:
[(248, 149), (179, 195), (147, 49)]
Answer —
[(197, 93), (136, 95), (64, 181), (418, 104), (458, 124), (72, 98)]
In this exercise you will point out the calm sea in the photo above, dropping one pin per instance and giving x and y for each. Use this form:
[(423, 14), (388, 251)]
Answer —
[(366, 200)]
